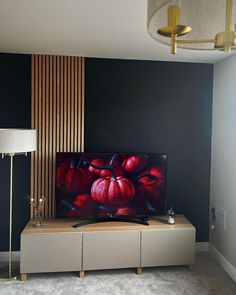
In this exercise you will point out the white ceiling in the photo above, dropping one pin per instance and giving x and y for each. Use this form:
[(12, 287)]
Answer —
[(92, 28)]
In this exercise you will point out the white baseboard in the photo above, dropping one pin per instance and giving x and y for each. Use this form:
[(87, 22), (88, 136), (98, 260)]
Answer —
[(227, 266), (202, 247), (15, 256)]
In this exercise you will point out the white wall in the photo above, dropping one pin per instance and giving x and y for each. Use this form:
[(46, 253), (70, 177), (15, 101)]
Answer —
[(223, 161)]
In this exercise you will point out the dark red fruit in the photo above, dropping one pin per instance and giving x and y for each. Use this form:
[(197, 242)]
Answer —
[(78, 180), (102, 214), (84, 205), (135, 163), (151, 183), (125, 211), (154, 175), (83, 200), (97, 162), (105, 172), (112, 191), (117, 170)]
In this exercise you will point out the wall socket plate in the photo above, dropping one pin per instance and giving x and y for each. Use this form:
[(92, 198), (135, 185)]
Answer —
[(220, 217)]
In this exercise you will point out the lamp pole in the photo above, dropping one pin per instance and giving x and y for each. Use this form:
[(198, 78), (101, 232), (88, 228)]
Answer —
[(8, 276), (10, 218)]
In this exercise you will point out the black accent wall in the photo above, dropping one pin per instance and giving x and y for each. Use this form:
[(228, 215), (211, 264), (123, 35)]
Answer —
[(15, 112), (148, 106), (131, 106)]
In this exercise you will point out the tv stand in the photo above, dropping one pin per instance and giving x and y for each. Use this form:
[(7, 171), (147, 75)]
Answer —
[(141, 220), (58, 247)]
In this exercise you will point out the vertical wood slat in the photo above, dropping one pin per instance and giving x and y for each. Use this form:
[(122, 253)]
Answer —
[(35, 160), (57, 113), (33, 126), (76, 105), (72, 106), (39, 150), (79, 105), (61, 106), (50, 186), (55, 147), (82, 105), (43, 89), (47, 129)]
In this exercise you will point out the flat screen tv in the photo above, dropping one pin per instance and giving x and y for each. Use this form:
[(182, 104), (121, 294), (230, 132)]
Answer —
[(108, 185)]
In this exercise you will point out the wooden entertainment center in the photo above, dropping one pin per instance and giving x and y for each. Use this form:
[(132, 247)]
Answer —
[(58, 247)]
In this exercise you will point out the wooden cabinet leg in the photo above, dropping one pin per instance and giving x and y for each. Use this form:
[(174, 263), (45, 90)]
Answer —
[(23, 277), (81, 274), (190, 267), (139, 271)]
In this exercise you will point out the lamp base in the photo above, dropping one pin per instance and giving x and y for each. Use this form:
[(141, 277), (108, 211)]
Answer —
[(6, 277)]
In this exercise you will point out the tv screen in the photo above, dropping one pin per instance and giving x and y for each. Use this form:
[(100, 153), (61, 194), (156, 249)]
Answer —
[(101, 185)]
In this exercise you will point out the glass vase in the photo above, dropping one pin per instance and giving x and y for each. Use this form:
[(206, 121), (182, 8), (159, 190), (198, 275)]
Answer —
[(38, 218)]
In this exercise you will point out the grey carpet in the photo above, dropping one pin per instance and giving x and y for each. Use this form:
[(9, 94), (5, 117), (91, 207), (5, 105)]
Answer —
[(207, 278)]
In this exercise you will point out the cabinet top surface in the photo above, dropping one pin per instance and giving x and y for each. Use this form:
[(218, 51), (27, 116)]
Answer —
[(66, 225)]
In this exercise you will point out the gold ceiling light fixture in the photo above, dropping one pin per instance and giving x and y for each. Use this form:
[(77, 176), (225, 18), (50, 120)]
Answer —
[(193, 24)]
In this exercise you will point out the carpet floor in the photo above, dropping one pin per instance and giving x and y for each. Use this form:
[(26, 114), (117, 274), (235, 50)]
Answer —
[(207, 278)]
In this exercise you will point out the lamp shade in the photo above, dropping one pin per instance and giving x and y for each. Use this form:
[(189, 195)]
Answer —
[(205, 17), (17, 140)]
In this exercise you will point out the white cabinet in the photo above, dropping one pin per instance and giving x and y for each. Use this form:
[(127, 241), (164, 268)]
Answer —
[(50, 252), (107, 250), (168, 247), (57, 246)]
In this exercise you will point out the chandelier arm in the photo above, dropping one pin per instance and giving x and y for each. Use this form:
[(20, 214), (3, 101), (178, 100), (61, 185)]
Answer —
[(193, 41), (173, 44), (228, 24), (228, 18)]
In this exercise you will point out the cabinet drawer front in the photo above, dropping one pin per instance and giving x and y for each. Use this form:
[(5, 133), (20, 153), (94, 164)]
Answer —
[(51, 252), (168, 247), (107, 250)]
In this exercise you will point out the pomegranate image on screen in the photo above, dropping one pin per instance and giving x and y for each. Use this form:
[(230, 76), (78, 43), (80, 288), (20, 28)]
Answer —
[(73, 179), (105, 172), (84, 205), (135, 163), (125, 211), (151, 184), (111, 190)]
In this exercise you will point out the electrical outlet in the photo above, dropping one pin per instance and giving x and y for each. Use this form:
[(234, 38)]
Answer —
[(220, 217)]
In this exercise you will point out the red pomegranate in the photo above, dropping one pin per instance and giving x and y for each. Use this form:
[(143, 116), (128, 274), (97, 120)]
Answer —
[(118, 172), (154, 175), (97, 162), (102, 214), (151, 183), (78, 180), (105, 172), (84, 205), (114, 191), (125, 211), (135, 163), (82, 200), (111, 190)]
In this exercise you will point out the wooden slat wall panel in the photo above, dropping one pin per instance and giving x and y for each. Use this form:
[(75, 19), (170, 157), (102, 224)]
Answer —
[(58, 116)]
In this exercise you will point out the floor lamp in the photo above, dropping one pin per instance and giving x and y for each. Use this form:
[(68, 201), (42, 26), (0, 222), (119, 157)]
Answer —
[(14, 142)]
